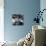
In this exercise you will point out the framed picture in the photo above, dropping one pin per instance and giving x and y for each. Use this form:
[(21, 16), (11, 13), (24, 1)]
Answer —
[(17, 19)]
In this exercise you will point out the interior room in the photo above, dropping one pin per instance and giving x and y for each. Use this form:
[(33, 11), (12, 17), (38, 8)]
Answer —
[(22, 22)]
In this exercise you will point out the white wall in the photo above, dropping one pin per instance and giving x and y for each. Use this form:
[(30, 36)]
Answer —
[(1, 20), (43, 6)]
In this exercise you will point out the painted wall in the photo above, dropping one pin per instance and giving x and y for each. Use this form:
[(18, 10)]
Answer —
[(24, 7), (43, 6)]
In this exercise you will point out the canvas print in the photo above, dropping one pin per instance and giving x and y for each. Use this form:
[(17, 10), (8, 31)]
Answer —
[(17, 19)]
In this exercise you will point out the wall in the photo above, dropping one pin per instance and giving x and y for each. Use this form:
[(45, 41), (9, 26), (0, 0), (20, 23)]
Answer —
[(25, 7), (43, 6), (1, 20)]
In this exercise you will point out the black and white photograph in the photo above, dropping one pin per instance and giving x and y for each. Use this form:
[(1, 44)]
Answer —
[(17, 19)]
